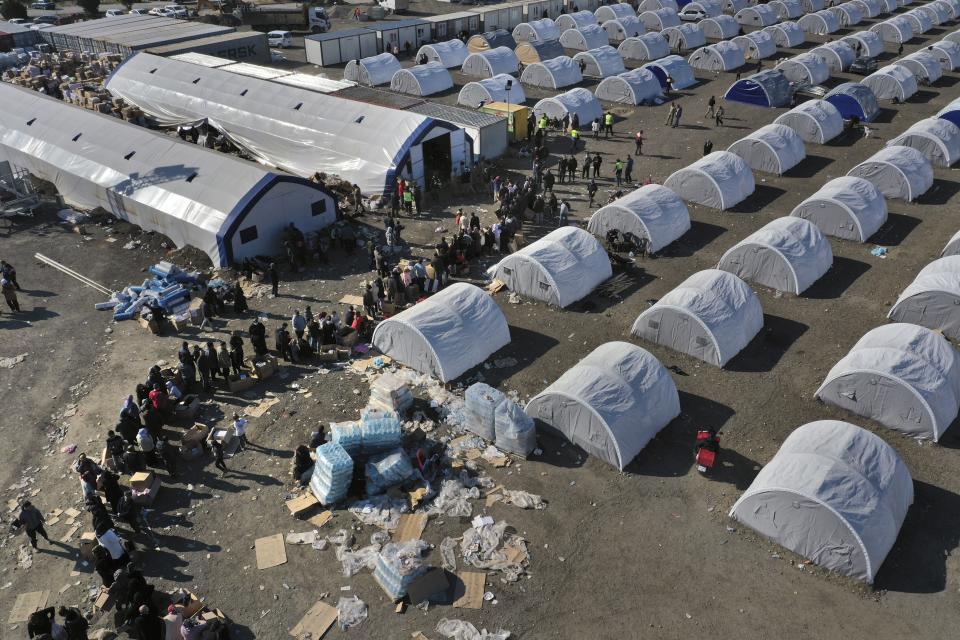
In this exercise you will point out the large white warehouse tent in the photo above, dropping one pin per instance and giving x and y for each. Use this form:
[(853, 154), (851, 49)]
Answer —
[(932, 300), (492, 90), (560, 268), (536, 31), (787, 254), (653, 212), (719, 180), (451, 54), (805, 68), (372, 71), (895, 30), (719, 28), (712, 316), (761, 15), (846, 207), (228, 208), (719, 56), (922, 64), (935, 138), (904, 376), (552, 74), (634, 87), (786, 35), (815, 121), (684, 37), (947, 53), (577, 101), (834, 493), (298, 130), (446, 334), (866, 44), (422, 80), (584, 38), (820, 23), (576, 20), (674, 67), (487, 64), (649, 46), (773, 148), (602, 62), (898, 172), (838, 55), (611, 403)]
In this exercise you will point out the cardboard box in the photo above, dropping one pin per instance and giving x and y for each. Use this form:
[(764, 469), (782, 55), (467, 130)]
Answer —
[(141, 480), (188, 408), (224, 435), (302, 504), (147, 497), (327, 356), (103, 601), (191, 443), (150, 325), (216, 614), (88, 541), (266, 368), (192, 607), (242, 383)]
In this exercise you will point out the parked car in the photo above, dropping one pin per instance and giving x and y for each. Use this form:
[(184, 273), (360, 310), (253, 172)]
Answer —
[(48, 20), (692, 14), (280, 39), (179, 11), (138, 12), (864, 66), (25, 22), (162, 12), (113, 13), (43, 6)]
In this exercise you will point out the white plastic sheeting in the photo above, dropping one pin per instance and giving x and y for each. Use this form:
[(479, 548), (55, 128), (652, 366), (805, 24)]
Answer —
[(552, 74), (895, 30), (446, 334), (491, 90), (932, 300), (922, 64), (712, 316), (611, 403), (614, 12), (815, 121), (622, 28), (422, 80), (834, 493), (536, 31), (660, 19), (720, 56), (487, 64), (788, 9), (634, 87), (805, 68), (719, 28), (653, 212), (937, 139), (560, 268), (601, 62), (372, 71), (673, 67), (865, 44), (575, 101), (719, 180), (756, 45), (850, 13), (649, 46), (685, 37), (904, 376), (451, 53), (787, 254), (947, 53), (576, 20), (919, 20), (761, 15), (848, 208), (786, 34), (838, 55), (774, 148), (584, 38), (898, 172), (892, 82)]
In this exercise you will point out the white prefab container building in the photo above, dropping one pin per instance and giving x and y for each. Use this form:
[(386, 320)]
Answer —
[(937, 139), (442, 336), (719, 28), (850, 13), (719, 180), (372, 71), (539, 9), (672, 67), (555, 73), (536, 31), (819, 23), (904, 376), (684, 37), (787, 254), (614, 11), (422, 80), (773, 148), (788, 9), (339, 47), (634, 87), (947, 53), (761, 15), (786, 34), (848, 208), (660, 19), (712, 316), (719, 56), (501, 16), (611, 403), (451, 54), (494, 89), (895, 30), (622, 28), (576, 20), (756, 45), (448, 26), (834, 493), (898, 172), (486, 133), (577, 101), (401, 35), (560, 268), (932, 300), (865, 44), (653, 212), (584, 38), (815, 121), (805, 68), (649, 46), (839, 55), (601, 62), (228, 208), (487, 64), (922, 64), (892, 82)]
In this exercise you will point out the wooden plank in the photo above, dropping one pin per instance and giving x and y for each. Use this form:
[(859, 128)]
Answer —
[(468, 590), (270, 551), (26, 604), (411, 527), (316, 622)]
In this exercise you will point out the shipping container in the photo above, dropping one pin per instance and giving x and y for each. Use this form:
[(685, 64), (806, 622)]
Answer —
[(242, 46), (502, 16), (448, 26), (340, 47), (405, 35), (540, 9)]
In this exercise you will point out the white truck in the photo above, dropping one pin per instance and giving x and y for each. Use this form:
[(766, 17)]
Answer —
[(292, 16)]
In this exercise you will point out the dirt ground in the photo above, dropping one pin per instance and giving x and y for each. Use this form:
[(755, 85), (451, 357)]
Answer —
[(645, 553)]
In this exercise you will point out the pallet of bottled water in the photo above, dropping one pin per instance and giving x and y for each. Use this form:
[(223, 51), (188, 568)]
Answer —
[(386, 470), (380, 431), (515, 430), (332, 473), (481, 402), (390, 393), (398, 564), (348, 435)]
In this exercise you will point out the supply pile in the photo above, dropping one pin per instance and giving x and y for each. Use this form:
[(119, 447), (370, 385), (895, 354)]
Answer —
[(169, 286)]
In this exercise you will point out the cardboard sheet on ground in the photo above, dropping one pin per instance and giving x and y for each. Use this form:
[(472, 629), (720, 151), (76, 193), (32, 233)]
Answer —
[(320, 519), (302, 504), (356, 301), (257, 410), (363, 364), (411, 527), (69, 534), (316, 621), (468, 590), (270, 551), (26, 604)]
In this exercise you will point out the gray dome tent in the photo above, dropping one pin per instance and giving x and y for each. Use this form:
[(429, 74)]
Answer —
[(622, 28), (932, 300), (850, 13), (422, 80), (577, 101), (773, 148), (812, 6), (815, 121), (904, 376), (719, 56), (490, 40), (712, 316), (805, 68), (611, 403), (634, 87), (786, 35), (848, 208), (719, 180), (584, 38), (530, 52), (947, 53), (601, 62), (787, 9), (720, 27), (660, 19), (560, 268), (896, 30), (761, 15), (649, 46), (865, 44), (937, 13), (451, 54), (711, 8), (834, 493), (756, 45), (372, 71), (819, 23), (730, 7), (674, 67), (935, 138), (491, 90), (869, 8), (684, 37), (787, 254), (922, 64), (576, 20), (490, 63), (919, 20), (536, 31), (838, 55), (653, 212), (555, 73), (446, 334), (898, 172)]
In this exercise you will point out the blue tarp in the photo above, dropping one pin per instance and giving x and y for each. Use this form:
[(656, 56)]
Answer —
[(768, 88), (854, 99)]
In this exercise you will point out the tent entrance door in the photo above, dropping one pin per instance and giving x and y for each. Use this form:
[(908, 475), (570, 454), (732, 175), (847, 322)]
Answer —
[(437, 163)]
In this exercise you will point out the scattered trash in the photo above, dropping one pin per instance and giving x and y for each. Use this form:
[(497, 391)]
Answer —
[(11, 362), (351, 612), (462, 630), (879, 252)]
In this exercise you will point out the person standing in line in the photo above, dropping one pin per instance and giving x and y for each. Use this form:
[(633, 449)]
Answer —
[(274, 280), (607, 125), (628, 170), (711, 103), (618, 171), (574, 137), (417, 202), (9, 294), (572, 168), (585, 172), (562, 170), (219, 462), (718, 118), (592, 190), (299, 323), (707, 147), (595, 127), (240, 428), (638, 141), (9, 272), (548, 180), (676, 116), (32, 521), (203, 368)]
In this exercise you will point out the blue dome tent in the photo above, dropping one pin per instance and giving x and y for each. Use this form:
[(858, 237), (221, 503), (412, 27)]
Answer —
[(854, 99), (769, 88)]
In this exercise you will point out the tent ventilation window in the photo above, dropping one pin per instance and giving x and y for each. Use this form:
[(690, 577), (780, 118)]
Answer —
[(153, 70), (31, 121), (129, 155), (318, 208), (359, 120), (248, 235), (244, 92), (508, 271), (297, 108), (544, 286), (191, 177), (196, 81), (77, 137)]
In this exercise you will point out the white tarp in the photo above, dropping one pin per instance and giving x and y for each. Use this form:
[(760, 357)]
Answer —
[(555, 73), (846, 207), (684, 36), (634, 87), (422, 79), (788, 9), (762, 15), (947, 53), (898, 172), (614, 12), (611, 403), (720, 56), (923, 65), (895, 30), (487, 64), (865, 44), (601, 62), (575, 101), (787, 254), (446, 334), (805, 68), (372, 71), (834, 493), (815, 121), (560, 268), (787, 34), (719, 28), (756, 45), (451, 54), (904, 376), (839, 55), (673, 67), (850, 13), (820, 23), (773, 148), (576, 20), (653, 212), (720, 180), (536, 31), (935, 138), (491, 90), (584, 38), (660, 19), (649, 46), (622, 28), (932, 300), (712, 316), (919, 20)]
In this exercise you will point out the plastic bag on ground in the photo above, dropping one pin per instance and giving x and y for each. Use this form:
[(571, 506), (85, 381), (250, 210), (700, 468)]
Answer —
[(351, 612), (454, 499), (516, 431), (463, 630), (489, 547), (381, 511), (354, 561), (448, 554), (523, 499)]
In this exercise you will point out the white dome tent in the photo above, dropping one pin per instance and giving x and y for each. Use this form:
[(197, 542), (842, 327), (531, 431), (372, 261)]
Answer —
[(805, 68), (834, 493), (947, 53), (838, 55), (614, 12), (819, 23), (787, 254), (774, 148), (649, 46), (634, 87), (422, 80), (892, 82), (536, 31), (904, 376), (712, 8), (812, 6), (788, 9), (922, 64), (761, 15), (372, 71), (622, 28), (660, 19), (948, 9), (601, 62), (847, 208), (919, 20), (898, 172), (952, 247), (555, 73), (719, 180), (786, 35), (730, 7), (584, 38), (576, 20), (451, 54), (895, 30), (684, 37), (487, 64), (865, 44), (869, 8), (849, 13), (560, 268), (719, 56), (889, 6), (757, 45), (674, 67), (653, 212), (719, 28), (492, 90), (446, 334), (575, 101), (937, 139), (611, 403), (653, 5), (932, 300), (815, 121), (937, 13), (712, 316)]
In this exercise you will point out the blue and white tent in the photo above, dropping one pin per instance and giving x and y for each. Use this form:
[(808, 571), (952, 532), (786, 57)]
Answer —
[(769, 88)]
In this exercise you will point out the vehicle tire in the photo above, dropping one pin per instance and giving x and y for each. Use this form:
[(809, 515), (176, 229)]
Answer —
[(315, 29)]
